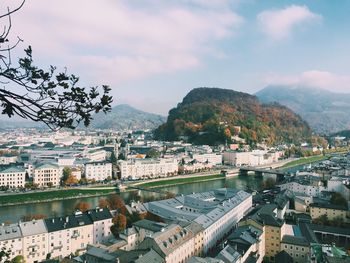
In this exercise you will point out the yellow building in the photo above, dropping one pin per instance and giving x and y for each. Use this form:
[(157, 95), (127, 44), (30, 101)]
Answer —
[(273, 229), (331, 211), (297, 247)]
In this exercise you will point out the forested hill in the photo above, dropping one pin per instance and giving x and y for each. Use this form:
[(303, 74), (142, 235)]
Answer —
[(213, 116)]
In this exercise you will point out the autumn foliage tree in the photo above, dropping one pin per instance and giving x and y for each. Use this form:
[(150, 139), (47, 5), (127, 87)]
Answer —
[(83, 206), (103, 203), (116, 202), (71, 180), (119, 224)]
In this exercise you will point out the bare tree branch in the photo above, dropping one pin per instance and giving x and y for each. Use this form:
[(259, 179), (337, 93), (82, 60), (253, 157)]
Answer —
[(47, 96)]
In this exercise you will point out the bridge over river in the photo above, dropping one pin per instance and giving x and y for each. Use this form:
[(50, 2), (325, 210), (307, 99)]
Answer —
[(260, 172)]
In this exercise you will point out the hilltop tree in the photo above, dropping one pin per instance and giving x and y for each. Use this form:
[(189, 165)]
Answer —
[(44, 95)]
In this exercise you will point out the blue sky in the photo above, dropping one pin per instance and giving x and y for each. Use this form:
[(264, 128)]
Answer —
[(153, 52)]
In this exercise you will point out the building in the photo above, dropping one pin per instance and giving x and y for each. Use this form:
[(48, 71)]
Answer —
[(331, 211), (102, 222), (11, 240), (148, 168), (12, 177), (248, 241), (98, 171), (69, 235), (297, 247), (66, 161), (95, 154), (35, 241), (253, 158), (215, 211), (304, 188), (265, 218), (212, 158), (8, 159), (47, 175), (174, 244), (56, 237)]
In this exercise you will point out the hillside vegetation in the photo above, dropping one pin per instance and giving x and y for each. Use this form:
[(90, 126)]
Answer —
[(213, 116)]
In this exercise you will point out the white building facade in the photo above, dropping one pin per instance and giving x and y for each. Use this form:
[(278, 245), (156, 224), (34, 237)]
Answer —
[(148, 168), (47, 175), (12, 177), (98, 171)]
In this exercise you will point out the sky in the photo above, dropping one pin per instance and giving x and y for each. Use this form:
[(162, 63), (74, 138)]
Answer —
[(153, 52)]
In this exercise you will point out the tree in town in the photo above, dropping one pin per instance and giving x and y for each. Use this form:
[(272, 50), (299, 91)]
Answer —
[(338, 199), (83, 206), (71, 180), (52, 97), (67, 171), (18, 259), (103, 203), (116, 202), (152, 153), (113, 158), (269, 183), (322, 220)]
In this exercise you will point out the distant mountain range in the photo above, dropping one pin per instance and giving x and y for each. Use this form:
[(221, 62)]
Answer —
[(125, 117), (325, 111), (212, 116), (17, 124)]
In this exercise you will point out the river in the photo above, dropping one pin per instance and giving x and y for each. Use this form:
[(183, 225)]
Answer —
[(64, 207)]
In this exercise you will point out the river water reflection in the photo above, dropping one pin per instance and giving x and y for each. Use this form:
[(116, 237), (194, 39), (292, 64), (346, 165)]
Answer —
[(64, 207)]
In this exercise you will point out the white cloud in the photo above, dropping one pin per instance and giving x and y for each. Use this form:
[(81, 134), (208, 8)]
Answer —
[(312, 78), (116, 41), (279, 24)]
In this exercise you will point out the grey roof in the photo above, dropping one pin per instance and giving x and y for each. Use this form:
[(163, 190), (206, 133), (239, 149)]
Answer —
[(150, 257), (308, 233), (284, 257), (71, 221), (13, 169), (150, 225), (294, 240), (103, 256), (329, 206), (34, 227), (204, 260), (229, 255), (330, 229), (244, 236), (10, 232), (168, 240), (99, 214), (264, 215), (204, 208), (47, 166)]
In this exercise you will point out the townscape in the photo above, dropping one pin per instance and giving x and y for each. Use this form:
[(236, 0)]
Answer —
[(188, 131), (297, 214)]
